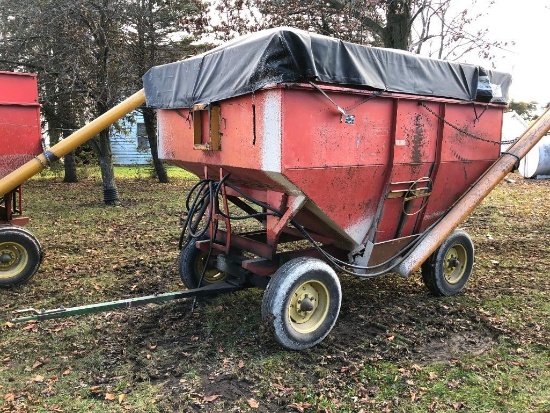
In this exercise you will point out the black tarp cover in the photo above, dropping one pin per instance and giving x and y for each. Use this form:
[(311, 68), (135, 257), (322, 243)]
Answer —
[(285, 55)]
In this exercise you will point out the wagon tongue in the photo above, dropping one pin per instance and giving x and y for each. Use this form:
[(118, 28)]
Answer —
[(62, 312)]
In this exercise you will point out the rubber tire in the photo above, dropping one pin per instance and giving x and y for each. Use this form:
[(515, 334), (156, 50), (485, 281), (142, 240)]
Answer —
[(277, 296), (30, 246), (433, 273), (188, 266)]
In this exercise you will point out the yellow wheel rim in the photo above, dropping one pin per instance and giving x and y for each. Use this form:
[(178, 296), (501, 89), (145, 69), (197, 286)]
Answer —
[(308, 306), (13, 259), (455, 263), (211, 276)]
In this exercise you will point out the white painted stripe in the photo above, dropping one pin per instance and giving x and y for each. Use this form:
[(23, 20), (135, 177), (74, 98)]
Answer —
[(358, 231), (272, 132)]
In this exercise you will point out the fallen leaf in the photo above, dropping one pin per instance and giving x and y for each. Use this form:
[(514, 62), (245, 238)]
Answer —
[(109, 396), (8, 324), (38, 378), (67, 371), (210, 399), (9, 397), (432, 407), (413, 396), (121, 398), (253, 403), (241, 364), (432, 375), (37, 364), (301, 407)]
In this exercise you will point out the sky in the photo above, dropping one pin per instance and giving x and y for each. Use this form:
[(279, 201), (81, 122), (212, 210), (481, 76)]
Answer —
[(526, 22)]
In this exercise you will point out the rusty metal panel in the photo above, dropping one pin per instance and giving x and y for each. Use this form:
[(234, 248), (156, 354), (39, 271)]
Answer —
[(483, 123), (316, 137), (20, 132), (177, 137), (399, 166), (415, 135), (18, 88)]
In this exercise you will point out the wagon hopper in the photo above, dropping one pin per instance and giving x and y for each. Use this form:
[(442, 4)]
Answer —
[(358, 150), (20, 141)]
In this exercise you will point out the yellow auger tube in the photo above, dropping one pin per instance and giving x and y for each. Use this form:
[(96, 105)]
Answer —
[(84, 134), (473, 197)]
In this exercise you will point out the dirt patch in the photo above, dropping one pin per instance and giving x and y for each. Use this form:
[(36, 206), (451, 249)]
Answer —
[(454, 346)]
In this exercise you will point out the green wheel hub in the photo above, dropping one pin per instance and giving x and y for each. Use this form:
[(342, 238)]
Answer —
[(308, 306), (13, 259), (455, 263)]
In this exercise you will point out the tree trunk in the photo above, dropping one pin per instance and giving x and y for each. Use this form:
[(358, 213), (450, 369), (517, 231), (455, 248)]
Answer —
[(398, 24), (70, 168), (69, 160), (102, 147), (150, 121)]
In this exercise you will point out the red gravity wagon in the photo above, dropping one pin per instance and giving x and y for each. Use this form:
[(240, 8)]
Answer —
[(20, 141), (345, 156)]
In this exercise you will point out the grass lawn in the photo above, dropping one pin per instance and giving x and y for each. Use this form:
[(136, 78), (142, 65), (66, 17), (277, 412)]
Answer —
[(395, 348)]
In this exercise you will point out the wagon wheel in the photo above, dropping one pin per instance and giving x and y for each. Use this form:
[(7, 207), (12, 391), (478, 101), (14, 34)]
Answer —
[(20, 256), (191, 264), (449, 267), (302, 302)]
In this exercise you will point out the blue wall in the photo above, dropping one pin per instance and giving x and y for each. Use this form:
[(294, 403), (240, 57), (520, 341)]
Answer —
[(129, 144)]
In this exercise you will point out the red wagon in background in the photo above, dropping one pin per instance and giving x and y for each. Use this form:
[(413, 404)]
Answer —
[(360, 151), (20, 141)]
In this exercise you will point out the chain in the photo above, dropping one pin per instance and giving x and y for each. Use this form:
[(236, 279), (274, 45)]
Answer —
[(470, 135), (365, 100), (346, 116)]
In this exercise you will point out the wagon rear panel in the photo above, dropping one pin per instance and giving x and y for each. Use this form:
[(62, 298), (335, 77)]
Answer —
[(20, 132)]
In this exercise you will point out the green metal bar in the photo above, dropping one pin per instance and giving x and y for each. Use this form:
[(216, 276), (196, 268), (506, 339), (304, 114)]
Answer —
[(62, 312)]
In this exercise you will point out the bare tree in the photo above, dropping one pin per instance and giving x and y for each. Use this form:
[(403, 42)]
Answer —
[(27, 43), (384, 23), (160, 31), (438, 28), (446, 32)]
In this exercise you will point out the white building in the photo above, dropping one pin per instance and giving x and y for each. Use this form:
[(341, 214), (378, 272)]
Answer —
[(129, 143)]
